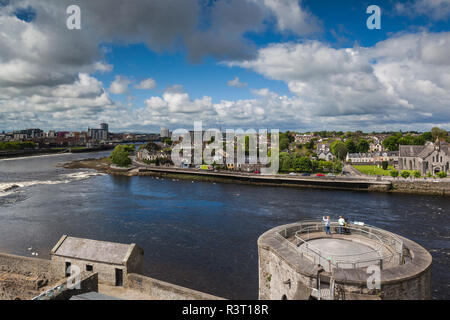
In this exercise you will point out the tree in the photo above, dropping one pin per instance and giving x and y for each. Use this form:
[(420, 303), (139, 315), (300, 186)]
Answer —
[(341, 151), (405, 174), (394, 173), (385, 165), (391, 143), (351, 146), (363, 146), (438, 133), (303, 164), (120, 156)]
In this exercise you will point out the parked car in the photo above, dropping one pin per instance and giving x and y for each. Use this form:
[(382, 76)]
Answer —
[(293, 174), (331, 175), (320, 175), (256, 172), (305, 174)]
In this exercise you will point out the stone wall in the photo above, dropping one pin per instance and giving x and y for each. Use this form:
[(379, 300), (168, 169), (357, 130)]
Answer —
[(160, 290), (26, 266), (23, 277), (422, 187)]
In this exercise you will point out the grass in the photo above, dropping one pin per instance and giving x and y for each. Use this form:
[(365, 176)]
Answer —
[(373, 170)]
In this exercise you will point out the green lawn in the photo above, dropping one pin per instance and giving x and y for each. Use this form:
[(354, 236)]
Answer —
[(373, 170)]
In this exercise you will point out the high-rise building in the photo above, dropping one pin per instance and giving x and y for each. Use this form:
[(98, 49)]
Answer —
[(104, 126), (99, 134), (165, 133)]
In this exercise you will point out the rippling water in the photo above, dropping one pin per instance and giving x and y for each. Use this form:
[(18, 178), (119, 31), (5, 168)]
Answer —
[(198, 235)]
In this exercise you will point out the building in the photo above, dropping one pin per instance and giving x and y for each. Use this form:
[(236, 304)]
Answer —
[(165, 133), (99, 134), (367, 158), (112, 261), (325, 155), (430, 158)]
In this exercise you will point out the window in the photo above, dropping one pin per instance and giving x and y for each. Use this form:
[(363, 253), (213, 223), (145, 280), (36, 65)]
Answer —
[(89, 268), (68, 265)]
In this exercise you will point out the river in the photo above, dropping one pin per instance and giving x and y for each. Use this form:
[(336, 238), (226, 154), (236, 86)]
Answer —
[(194, 234)]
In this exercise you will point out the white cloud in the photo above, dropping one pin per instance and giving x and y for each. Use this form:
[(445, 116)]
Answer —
[(435, 9), (119, 85), (147, 84), (394, 83), (291, 16), (236, 82)]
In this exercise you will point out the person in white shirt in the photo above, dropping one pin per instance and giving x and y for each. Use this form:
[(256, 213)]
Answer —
[(341, 222), (327, 224)]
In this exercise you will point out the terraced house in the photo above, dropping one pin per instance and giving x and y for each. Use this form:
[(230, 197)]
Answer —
[(430, 158)]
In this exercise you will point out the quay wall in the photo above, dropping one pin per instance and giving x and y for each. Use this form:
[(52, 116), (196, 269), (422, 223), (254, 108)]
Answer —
[(441, 188), (311, 182)]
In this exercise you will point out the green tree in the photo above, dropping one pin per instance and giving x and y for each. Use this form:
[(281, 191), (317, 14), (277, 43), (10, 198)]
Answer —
[(438, 133), (341, 151), (385, 165), (363, 146), (303, 164), (391, 143), (351, 146), (120, 156)]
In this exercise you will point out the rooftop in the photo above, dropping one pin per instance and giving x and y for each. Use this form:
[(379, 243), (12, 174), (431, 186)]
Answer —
[(92, 250)]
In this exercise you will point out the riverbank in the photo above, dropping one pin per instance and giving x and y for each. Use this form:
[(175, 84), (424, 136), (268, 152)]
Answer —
[(10, 154), (436, 187)]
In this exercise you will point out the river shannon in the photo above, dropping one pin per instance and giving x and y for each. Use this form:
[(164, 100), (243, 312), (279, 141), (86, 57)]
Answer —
[(194, 234)]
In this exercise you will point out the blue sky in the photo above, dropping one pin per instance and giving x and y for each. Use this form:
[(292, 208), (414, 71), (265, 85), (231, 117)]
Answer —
[(287, 64)]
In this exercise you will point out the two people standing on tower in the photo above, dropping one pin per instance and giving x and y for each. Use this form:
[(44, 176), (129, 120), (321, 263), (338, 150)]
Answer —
[(342, 225)]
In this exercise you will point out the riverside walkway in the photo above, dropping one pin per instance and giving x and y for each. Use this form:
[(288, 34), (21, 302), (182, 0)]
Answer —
[(338, 182)]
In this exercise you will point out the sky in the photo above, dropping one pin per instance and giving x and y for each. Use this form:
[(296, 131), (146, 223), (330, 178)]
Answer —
[(303, 65)]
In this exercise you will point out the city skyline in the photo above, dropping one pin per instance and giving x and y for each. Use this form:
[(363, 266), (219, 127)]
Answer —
[(289, 65)]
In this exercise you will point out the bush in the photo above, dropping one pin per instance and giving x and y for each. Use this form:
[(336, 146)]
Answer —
[(442, 174), (405, 174), (394, 173), (385, 165), (416, 174)]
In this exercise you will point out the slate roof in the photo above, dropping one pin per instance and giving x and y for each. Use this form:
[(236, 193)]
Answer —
[(92, 250), (410, 151)]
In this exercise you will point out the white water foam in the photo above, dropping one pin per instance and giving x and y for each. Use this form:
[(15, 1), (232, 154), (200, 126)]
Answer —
[(12, 187)]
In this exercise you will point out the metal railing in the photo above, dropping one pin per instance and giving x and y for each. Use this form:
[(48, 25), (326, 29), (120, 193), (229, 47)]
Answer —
[(387, 248)]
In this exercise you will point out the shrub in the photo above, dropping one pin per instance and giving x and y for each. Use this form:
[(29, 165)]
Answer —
[(405, 174), (416, 174), (394, 173), (442, 174)]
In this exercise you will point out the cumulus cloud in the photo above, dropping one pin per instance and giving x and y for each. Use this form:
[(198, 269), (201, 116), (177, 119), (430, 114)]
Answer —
[(119, 85), (146, 84), (236, 82), (435, 9), (399, 81), (291, 16)]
